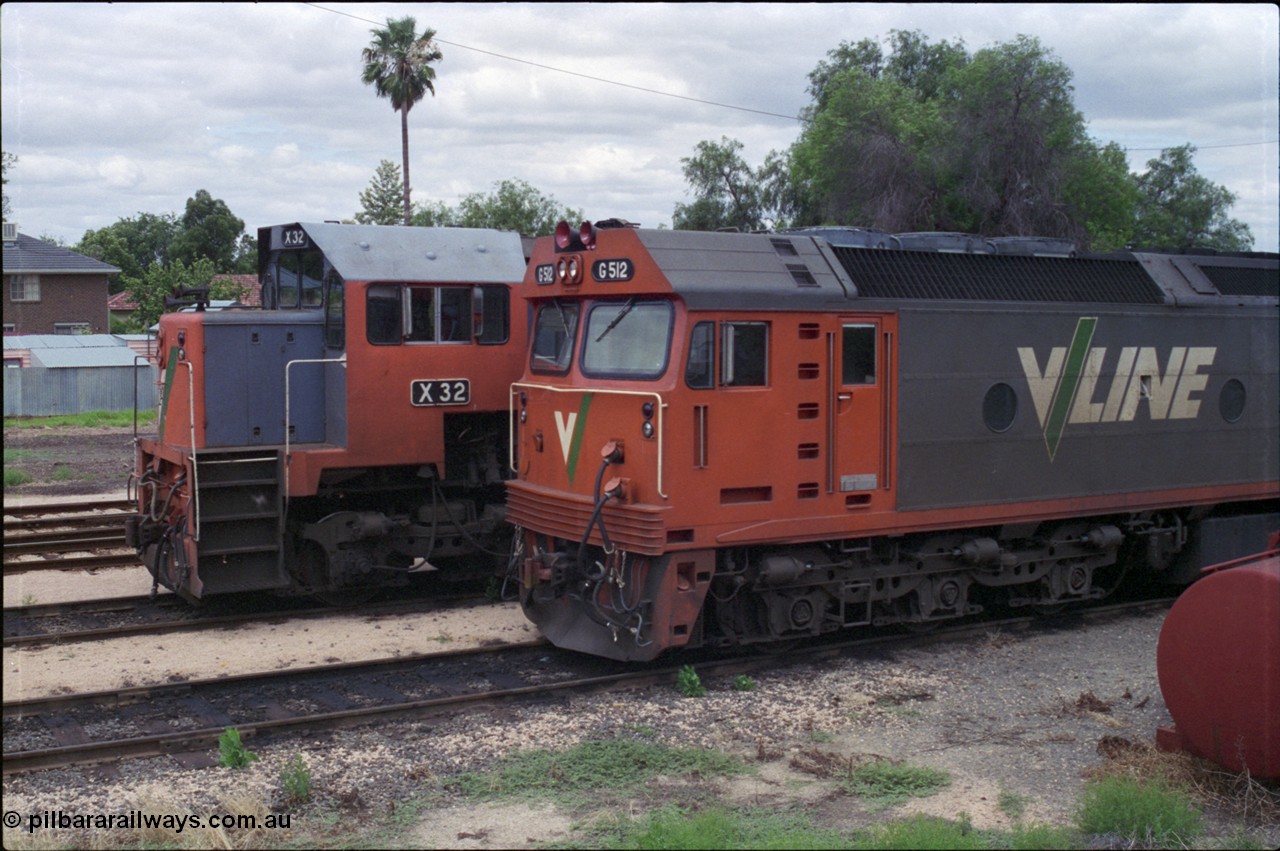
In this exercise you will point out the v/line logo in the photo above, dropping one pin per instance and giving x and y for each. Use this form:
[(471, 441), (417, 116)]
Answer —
[(1065, 392)]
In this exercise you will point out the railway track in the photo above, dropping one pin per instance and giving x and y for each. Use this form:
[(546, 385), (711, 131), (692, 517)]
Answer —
[(185, 719), (91, 620), (40, 537)]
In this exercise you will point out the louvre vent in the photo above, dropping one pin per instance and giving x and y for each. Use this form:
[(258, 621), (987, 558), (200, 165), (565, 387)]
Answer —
[(986, 277), (784, 247), (1237, 280), (801, 274)]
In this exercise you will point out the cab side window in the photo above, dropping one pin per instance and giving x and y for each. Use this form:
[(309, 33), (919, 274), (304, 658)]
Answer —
[(743, 355), (858, 354), (382, 314)]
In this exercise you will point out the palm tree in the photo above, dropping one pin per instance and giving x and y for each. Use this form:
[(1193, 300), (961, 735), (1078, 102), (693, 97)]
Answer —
[(397, 63)]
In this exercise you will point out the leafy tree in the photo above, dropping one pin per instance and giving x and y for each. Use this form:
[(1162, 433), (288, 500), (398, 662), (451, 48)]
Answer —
[(161, 282), (727, 192), (514, 205), (7, 160), (434, 214), (1178, 208), (1013, 131), (397, 63), (132, 245), (381, 202), (208, 229), (246, 255), (928, 137)]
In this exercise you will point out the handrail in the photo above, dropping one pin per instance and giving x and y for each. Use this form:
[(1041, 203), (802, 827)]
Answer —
[(195, 467), (513, 425), (287, 418)]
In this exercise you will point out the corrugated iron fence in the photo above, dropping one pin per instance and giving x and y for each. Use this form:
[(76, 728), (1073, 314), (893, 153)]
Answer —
[(38, 391)]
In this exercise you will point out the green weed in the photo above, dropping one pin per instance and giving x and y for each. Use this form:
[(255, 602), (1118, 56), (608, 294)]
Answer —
[(14, 477), (295, 778), (922, 832), (589, 767), (675, 828), (689, 683), (886, 784), (231, 750), (1149, 812), (743, 683)]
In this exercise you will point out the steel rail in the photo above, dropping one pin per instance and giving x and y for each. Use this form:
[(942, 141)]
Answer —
[(207, 737)]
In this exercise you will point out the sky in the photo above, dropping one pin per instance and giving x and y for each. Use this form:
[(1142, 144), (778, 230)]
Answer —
[(119, 109)]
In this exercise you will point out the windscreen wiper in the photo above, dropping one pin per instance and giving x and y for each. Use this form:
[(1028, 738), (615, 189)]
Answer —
[(631, 302)]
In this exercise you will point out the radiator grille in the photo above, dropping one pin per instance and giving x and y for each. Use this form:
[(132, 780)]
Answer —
[(1238, 280), (986, 277)]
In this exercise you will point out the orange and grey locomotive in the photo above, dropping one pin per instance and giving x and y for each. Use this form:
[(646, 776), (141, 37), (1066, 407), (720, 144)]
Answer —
[(348, 432), (729, 439)]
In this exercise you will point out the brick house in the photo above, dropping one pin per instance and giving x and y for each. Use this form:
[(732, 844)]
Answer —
[(50, 290)]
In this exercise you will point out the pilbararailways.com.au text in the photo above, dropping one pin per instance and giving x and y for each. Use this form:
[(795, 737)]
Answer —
[(139, 820)]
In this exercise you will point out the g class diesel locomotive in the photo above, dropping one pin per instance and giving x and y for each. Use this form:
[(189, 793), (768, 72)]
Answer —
[(729, 439), (350, 431)]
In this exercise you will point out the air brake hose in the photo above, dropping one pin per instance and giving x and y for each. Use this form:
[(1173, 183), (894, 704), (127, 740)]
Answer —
[(610, 454)]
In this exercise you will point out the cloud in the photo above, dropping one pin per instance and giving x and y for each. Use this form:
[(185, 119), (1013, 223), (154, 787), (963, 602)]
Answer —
[(116, 108)]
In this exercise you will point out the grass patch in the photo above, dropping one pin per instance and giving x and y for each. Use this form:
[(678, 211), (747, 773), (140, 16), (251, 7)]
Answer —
[(1144, 812), (64, 473), (14, 477), (589, 767), (923, 832), (89, 419), (886, 784), (675, 828)]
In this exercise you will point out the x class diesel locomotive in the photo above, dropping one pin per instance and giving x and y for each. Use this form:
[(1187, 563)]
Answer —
[(350, 431), (730, 439)]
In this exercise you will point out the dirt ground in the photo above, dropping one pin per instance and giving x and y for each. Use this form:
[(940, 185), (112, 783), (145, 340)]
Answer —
[(1026, 720), (68, 461)]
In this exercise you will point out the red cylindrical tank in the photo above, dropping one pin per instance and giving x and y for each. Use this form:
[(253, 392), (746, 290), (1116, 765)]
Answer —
[(1218, 660)]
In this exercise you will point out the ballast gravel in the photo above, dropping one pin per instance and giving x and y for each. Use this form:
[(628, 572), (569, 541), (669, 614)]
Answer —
[(1005, 714)]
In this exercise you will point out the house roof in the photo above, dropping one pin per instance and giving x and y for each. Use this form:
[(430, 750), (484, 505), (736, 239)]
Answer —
[(27, 255), (252, 288), (67, 350), (123, 300)]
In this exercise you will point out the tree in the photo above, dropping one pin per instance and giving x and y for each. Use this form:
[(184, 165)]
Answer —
[(928, 137), (434, 214), (1177, 208), (514, 205), (727, 193), (161, 282), (380, 204), (132, 245), (7, 160), (208, 229), (398, 65)]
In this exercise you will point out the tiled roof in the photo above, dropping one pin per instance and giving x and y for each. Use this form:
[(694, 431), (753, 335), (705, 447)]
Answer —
[(28, 255), (252, 288), (122, 301), (252, 297)]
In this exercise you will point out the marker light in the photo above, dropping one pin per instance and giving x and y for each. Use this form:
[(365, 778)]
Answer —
[(588, 235)]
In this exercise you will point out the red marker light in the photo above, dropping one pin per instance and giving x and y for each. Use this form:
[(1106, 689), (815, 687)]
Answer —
[(588, 235), (562, 235)]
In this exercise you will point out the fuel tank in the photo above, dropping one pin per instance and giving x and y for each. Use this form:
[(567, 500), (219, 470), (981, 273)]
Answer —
[(1218, 660)]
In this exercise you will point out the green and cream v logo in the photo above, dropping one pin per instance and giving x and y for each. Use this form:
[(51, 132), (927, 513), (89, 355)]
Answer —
[(569, 428), (1066, 391)]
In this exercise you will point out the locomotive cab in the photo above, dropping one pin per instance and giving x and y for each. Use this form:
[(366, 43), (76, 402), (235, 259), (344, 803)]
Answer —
[(347, 432)]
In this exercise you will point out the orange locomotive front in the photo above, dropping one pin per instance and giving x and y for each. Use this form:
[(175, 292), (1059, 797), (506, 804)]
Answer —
[(348, 432), (726, 439)]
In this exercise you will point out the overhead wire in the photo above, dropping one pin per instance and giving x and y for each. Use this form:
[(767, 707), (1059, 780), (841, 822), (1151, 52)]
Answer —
[(718, 104)]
